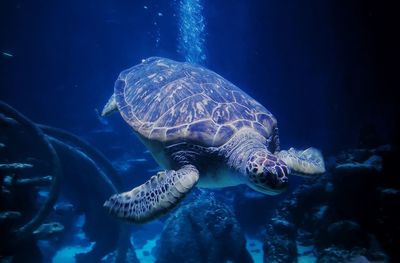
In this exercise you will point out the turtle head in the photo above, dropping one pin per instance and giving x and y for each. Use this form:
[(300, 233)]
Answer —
[(266, 173)]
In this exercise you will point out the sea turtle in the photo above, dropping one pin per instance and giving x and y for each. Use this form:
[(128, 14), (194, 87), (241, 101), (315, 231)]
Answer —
[(203, 131)]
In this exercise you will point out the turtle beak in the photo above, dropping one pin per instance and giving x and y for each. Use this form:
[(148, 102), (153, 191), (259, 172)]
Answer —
[(270, 182), (275, 178), (277, 183)]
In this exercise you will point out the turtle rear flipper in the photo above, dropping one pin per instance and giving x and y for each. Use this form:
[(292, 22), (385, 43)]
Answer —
[(155, 197), (110, 107), (303, 162)]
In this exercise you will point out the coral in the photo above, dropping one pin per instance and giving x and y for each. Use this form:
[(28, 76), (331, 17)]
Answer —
[(10, 167), (202, 231), (280, 242), (373, 163), (130, 257), (91, 152), (35, 160), (48, 230), (344, 234), (334, 255), (246, 205), (347, 214), (9, 215), (11, 119)]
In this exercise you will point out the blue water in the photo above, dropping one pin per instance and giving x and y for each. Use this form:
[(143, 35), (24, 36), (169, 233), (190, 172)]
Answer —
[(325, 69)]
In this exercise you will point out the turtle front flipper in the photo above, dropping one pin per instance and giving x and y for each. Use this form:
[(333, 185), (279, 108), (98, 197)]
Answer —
[(155, 197), (303, 162)]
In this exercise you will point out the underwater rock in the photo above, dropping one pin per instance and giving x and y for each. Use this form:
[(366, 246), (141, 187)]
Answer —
[(390, 192), (359, 259), (348, 214), (280, 241), (141, 234), (279, 248), (305, 238), (344, 234), (355, 192), (389, 198), (353, 156), (372, 164), (114, 257), (202, 231), (335, 255), (320, 214), (375, 252), (383, 149), (48, 230), (283, 227), (26, 251), (362, 160), (246, 205), (303, 209)]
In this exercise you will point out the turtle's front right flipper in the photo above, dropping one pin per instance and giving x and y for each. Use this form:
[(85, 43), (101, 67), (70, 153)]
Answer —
[(155, 197), (303, 162)]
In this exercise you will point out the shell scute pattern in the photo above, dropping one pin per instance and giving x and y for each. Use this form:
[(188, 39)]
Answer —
[(209, 89), (224, 133), (241, 124), (261, 129), (223, 113), (168, 101), (176, 133), (248, 102), (203, 131), (158, 133), (193, 108), (244, 112)]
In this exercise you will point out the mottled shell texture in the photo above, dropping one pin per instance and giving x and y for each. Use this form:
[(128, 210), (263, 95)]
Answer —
[(172, 102)]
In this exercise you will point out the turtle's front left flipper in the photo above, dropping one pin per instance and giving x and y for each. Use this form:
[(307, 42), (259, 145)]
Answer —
[(155, 197), (303, 162)]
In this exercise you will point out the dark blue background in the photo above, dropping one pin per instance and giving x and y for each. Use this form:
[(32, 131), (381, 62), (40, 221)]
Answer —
[(325, 69)]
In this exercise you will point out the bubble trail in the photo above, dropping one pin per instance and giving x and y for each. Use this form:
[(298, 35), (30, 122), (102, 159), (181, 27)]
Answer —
[(192, 25)]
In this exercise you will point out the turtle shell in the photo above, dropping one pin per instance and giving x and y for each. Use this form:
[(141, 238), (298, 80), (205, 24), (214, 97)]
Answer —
[(172, 102)]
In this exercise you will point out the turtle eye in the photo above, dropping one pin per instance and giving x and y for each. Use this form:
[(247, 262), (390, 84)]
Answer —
[(253, 168), (269, 170), (279, 172)]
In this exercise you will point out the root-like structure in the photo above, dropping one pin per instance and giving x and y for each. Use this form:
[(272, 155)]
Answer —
[(56, 147)]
